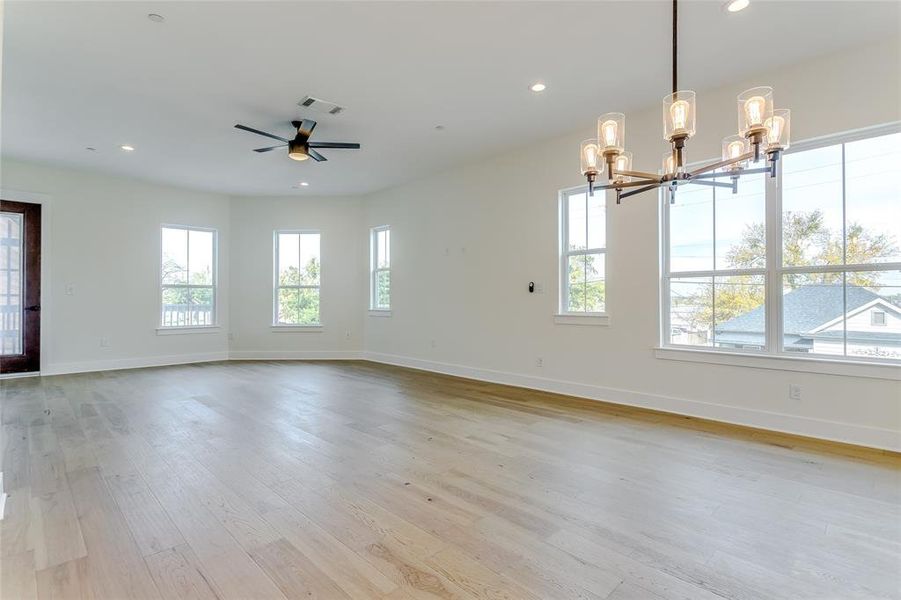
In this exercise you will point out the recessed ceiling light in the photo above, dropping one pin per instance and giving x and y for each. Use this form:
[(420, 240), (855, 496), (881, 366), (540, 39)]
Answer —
[(127, 148), (734, 6), (156, 18), (304, 183), (537, 87)]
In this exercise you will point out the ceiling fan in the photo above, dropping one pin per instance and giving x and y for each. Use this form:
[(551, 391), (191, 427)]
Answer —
[(300, 148)]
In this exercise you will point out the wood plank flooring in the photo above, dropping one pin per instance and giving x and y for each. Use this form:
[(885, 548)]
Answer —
[(355, 480)]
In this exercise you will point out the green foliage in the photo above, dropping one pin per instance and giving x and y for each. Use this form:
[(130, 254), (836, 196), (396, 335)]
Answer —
[(587, 291), (297, 305), (383, 289)]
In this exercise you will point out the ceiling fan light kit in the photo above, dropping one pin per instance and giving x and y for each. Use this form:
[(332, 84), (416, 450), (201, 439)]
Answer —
[(763, 134), (300, 148)]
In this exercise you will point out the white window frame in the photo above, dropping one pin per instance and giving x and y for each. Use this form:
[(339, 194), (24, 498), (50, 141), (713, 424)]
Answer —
[(773, 355), (564, 316), (375, 270), (276, 326), (163, 329)]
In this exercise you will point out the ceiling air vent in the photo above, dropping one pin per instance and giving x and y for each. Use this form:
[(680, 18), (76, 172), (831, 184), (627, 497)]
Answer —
[(319, 105)]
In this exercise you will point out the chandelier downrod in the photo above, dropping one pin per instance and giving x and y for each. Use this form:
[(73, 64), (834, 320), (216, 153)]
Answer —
[(675, 45)]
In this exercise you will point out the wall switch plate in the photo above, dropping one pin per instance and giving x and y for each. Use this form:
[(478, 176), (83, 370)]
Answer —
[(539, 362), (104, 342), (70, 289), (794, 391)]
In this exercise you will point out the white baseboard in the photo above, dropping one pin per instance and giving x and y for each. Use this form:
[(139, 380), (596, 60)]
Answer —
[(295, 355), (874, 437), (132, 363)]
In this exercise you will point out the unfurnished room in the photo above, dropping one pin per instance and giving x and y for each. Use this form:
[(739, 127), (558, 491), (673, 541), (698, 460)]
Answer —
[(496, 300)]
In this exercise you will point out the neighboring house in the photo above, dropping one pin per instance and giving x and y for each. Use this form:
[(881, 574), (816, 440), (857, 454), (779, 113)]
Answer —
[(815, 319)]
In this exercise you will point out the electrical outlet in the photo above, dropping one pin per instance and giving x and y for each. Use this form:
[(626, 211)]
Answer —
[(794, 391), (434, 344), (539, 362), (539, 288), (231, 337), (104, 342), (346, 335), (70, 289)]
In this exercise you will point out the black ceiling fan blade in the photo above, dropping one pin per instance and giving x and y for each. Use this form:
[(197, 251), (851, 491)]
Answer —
[(315, 155), (258, 132), (270, 148), (304, 128), (350, 145)]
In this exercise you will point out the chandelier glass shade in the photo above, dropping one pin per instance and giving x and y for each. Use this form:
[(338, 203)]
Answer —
[(763, 134)]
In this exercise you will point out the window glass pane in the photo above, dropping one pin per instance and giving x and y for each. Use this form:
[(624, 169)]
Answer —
[(175, 255), (597, 231), (176, 307), (691, 311), (812, 207), (873, 200), (11, 283), (691, 229), (813, 313), (309, 259), (741, 225), (383, 289), (577, 287), (201, 306), (308, 306), (200, 259), (739, 312), (874, 314), (576, 234), (382, 251), (288, 309), (595, 290), (288, 259)]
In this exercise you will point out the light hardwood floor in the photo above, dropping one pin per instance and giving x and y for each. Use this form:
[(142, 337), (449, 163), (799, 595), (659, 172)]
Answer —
[(355, 480)]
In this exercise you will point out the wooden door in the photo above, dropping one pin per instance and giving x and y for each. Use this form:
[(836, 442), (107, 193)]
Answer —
[(20, 287)]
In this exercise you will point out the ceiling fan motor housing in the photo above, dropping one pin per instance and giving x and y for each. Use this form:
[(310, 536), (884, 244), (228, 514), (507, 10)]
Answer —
[(298, 150)]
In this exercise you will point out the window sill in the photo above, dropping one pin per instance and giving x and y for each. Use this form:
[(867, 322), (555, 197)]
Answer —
[(187, 330), (296, 328), (379, 312), (596, 319), (826, 366)]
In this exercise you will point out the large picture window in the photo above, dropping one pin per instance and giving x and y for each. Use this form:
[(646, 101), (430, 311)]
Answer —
[(380, 268), (297, 270), (188, 277), (583, 251), (809, 267)]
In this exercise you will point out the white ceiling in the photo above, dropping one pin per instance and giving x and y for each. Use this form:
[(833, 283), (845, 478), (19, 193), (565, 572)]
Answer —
[(101, 74)]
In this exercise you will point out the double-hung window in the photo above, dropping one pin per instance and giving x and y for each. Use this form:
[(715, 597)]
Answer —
[(583, 251), (805, 265), (380, 268), (187, 277), (297, 278)]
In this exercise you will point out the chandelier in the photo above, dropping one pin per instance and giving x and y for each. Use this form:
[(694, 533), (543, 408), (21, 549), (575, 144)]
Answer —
[(763, 134)]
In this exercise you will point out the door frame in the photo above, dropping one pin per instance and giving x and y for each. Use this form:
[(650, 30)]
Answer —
[(44, 200)]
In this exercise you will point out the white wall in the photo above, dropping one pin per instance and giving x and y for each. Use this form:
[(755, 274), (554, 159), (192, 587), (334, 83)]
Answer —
[(467, 242), (343, 275), (104, 241)]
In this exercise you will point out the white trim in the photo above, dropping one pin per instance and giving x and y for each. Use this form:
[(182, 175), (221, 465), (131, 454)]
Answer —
[(188, 330), (133, 363), (296, 328), (295, 355), (379, 312), (826, 366), (275, 268), (215, 270), (874, 437), (22, 375), (595, 319)]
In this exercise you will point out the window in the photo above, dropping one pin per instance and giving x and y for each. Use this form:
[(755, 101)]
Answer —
[(188, 277), (583, 241), (297, 267), (801, 268), (380, 268)]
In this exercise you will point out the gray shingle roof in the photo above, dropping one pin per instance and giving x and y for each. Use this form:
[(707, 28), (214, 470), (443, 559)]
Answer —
[(805, 308)]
